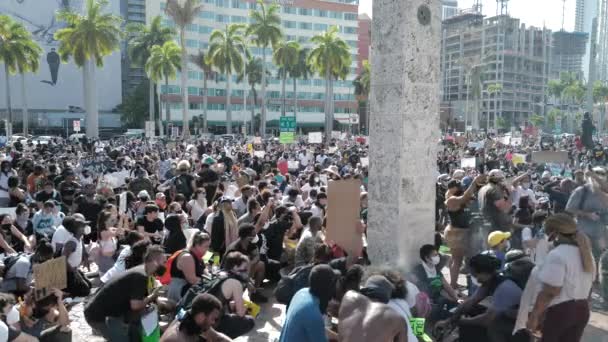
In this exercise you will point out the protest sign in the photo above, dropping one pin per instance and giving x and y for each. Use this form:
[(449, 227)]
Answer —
[(364, 161), (516, 141), (335, 134), (259, 154), (315, 137), (550, 157), (518, 158), (467, 162), (50, 275), (257, 140), (116, 179), (343, 205), (476, 144), (293, 165)]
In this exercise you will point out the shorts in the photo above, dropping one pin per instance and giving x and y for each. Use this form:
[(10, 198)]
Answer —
[(457, 238)]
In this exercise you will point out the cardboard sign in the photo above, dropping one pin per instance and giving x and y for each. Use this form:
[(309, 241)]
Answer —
[(293, 165), (335, 134), (550, 157), (315, 138), (259, 154), (343, 205), (50, 275), (468, 162), (516, 141), (364, 161)]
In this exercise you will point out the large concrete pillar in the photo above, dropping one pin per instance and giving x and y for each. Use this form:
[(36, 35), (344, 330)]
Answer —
[(404, 128)]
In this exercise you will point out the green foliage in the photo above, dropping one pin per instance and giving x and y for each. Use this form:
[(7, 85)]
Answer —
[(226, 49), (183, 12), (330, 55), (536, 120), (600, 92), (552, 118), (164, 61), (286, 56), (362, 82), (18, 51), (134, 108), (265, 25), (142, 38), (503, 122), (494, 88), (89, 36)]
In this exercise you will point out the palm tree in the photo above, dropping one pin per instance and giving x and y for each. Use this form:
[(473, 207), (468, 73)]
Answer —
[(329, 58), (493, 89), (183, 13), (536, 120), (88, 39), (19, 53), (362, 87), (253, 70), (285, 57), (163, 64), (141, 40), (226, 53), (265, 28), (201, 60), (300, 70)]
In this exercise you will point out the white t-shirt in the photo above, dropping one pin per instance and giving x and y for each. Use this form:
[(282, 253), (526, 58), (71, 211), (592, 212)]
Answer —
[(519, 192), (303, 159), (61, 236), (209, 221), (538, 253), (401, 306), (3, 332), (412, 293), (196, 211), (563, 268)]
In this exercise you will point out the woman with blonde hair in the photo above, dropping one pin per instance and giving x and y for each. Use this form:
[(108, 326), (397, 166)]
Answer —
[(224, 229), (567, 277)]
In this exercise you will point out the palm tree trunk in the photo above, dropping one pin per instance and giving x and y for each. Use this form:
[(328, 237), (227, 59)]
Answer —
[(327, 108), (330, 119), (263, 117), (24, 106), (8, 101), (204, 102), (87, 94), (94, 106), (151, 100), (295, 100), (283, 81), (184, 75), (167, 107), (255, 102), (228, 105)]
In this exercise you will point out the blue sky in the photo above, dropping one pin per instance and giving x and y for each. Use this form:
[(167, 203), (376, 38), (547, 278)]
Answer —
[(532, 12)]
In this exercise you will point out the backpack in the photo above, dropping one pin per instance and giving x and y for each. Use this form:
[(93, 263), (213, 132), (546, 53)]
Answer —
[(288, 285), (210, 284), (9, 262), (182, 186), (165, 279), (519, 271)]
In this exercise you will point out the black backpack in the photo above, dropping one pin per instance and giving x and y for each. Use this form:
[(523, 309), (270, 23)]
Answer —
[(182, 186), (210, 284), (296, 280), (519, 271), (9, 262)]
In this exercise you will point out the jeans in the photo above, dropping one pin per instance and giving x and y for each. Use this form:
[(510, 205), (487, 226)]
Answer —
[(113, 329)]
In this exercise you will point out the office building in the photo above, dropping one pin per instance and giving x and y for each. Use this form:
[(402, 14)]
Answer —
[(132, 11), (567, 53), (507, 61), (586, 10), (301, 19), (449, 8), (364, 40)]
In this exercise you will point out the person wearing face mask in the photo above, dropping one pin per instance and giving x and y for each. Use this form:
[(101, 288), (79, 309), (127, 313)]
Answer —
[(247, 245), (115, 309), (318, 208), (521, 188), (72, 248), (6, 171), (108, 231), (429, 279), (457, 233), (12, 235), (197, 322), (499, 243), (187, 267)]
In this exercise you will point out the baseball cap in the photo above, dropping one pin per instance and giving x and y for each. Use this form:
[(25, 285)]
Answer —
[(497, 237)]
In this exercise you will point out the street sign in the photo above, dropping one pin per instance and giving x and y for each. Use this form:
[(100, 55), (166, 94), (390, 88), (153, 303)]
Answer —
[(287, 124), (287, 137), (76, 125)]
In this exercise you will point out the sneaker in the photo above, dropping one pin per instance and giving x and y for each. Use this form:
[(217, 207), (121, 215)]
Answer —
[(258, 298)]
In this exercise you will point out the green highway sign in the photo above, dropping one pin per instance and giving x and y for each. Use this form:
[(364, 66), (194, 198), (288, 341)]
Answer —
[(287, 124), (287, 137)]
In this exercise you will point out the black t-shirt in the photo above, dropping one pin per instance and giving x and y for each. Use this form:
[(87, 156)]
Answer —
[(251, 251), (274, 238), (113, 299), (90, 210), (207, 176), (43, 196), (150, 226)]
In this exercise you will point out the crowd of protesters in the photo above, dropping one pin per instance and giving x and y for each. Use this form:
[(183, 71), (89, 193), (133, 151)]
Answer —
[(196, 235)]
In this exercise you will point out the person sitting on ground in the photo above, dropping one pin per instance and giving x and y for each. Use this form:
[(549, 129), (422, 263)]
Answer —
[(366, 317), (12, 235), (47, 319), (78, 285), (188, 268), (175, 239), (197, 322), (131, 238), (124, 298), (18, 274), (107, 244), (305, 248), (247, 244), (304, 321), (253, 209), (47, 193), (43, 222), (10, 326), (428, 278), (150, 225), (499, 244), (398, 300), (224, 229)]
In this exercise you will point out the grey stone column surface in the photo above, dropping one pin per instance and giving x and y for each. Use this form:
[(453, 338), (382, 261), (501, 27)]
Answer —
[(404, 129)]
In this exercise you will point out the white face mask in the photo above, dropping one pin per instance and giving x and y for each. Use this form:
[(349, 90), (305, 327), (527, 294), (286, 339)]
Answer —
[(87, 230), (435, 260), (475, 281), (13, 316)]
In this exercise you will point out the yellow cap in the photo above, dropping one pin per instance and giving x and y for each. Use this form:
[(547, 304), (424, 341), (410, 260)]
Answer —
[(497, 237)]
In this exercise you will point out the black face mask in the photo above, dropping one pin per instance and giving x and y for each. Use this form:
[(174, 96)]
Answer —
[(160, 270)]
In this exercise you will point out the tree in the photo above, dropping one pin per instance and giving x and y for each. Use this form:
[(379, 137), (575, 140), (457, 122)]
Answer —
[(88, 39), (183, 13), (300, 70), (493, 89), (503, 123), (331, 59), (253, 70), (536, 120), (141, 40), (19, 53), (265, 28), (163, 64), (285, 57), (362, 82), (133, 108), (226, 53), (202, 61), (552, 118)]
